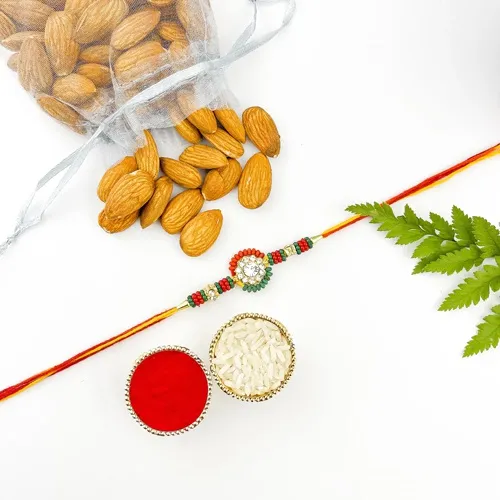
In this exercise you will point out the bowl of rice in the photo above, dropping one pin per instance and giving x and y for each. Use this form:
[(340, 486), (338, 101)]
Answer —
[(252, 357)]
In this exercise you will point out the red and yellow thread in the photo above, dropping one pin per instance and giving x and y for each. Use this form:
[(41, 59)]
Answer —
[(419, 188)]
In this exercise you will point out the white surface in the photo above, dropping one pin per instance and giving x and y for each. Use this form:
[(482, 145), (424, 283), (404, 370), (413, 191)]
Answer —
[(370, 97)]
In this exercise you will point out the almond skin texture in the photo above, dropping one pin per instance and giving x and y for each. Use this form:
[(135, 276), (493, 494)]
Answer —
[(142, 58), (225, 143), (99, 74), (181, 173), (188, 132), (99, 19), (7, 27), (135, 28), (129, 194), (213, 187), (61, 48), (15, 41), (161, 3), (77, 6), (184, 127), (201, 233), (229, 119), (202, 118), (171, 31), (256, 182), (33, 68), (147, 157), (262, 131), (61, 112), (32, 14), (158, 202), (113, 175), (230, 175), (202, 156), (74, 89), (97, 54), (181, 209), (117, 225), (191, 16)]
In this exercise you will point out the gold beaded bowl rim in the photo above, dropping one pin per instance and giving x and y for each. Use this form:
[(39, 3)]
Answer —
[(129, 380), (271, 393)]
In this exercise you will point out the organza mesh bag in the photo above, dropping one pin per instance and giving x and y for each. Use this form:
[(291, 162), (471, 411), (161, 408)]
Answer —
[(113, 69)]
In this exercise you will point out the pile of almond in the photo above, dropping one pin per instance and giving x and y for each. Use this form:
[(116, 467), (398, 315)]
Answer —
[(67, 52), (134, 188)]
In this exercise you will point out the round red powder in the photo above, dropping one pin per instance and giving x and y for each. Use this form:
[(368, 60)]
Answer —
[(168, 390)]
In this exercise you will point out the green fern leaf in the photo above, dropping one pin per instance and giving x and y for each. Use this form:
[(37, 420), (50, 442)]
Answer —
[(446, 247), (475, 289), (462, 225), (454, 262), (426, 226), (487, 237), (411, 216), (488, 335), (430, 246), (364, 209), (442, 226)]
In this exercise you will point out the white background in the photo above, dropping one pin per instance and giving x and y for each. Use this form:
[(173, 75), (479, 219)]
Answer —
[(370, 98)]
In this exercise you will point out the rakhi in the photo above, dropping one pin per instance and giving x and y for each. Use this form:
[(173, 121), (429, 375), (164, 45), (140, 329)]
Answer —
[(251, 270)]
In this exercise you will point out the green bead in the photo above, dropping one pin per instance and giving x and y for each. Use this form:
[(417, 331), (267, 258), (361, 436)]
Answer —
[(309, 241), (203, 295)]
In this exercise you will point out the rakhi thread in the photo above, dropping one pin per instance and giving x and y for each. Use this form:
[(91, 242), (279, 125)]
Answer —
[(200, 297)]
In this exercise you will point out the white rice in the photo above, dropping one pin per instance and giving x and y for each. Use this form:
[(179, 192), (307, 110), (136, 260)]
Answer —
[(252, 357)]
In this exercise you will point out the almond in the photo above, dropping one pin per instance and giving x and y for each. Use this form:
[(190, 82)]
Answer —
[(100, 106), (7, 27), (193, 18), (158, 202), (171, 31), (143, 58), (202, 118), (188, 131), (135, 28), (201, 233), (225, 143), (181, 173), (147, 156), (181, 209), (113, 175), (262, 131), (256, 182), (13, 61), (77, 6), (179, 51), (202, 156), (32, 14), (117, 225), (61, 112), (230, 175), (213, 186), (15, 41), (230, 120), (61, 48), (33, 68), (74, 89), (129, 194), (97, 73), (97, 54), (99, 19)]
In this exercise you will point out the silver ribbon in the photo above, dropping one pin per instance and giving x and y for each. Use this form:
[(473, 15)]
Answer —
[(70, 165)]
